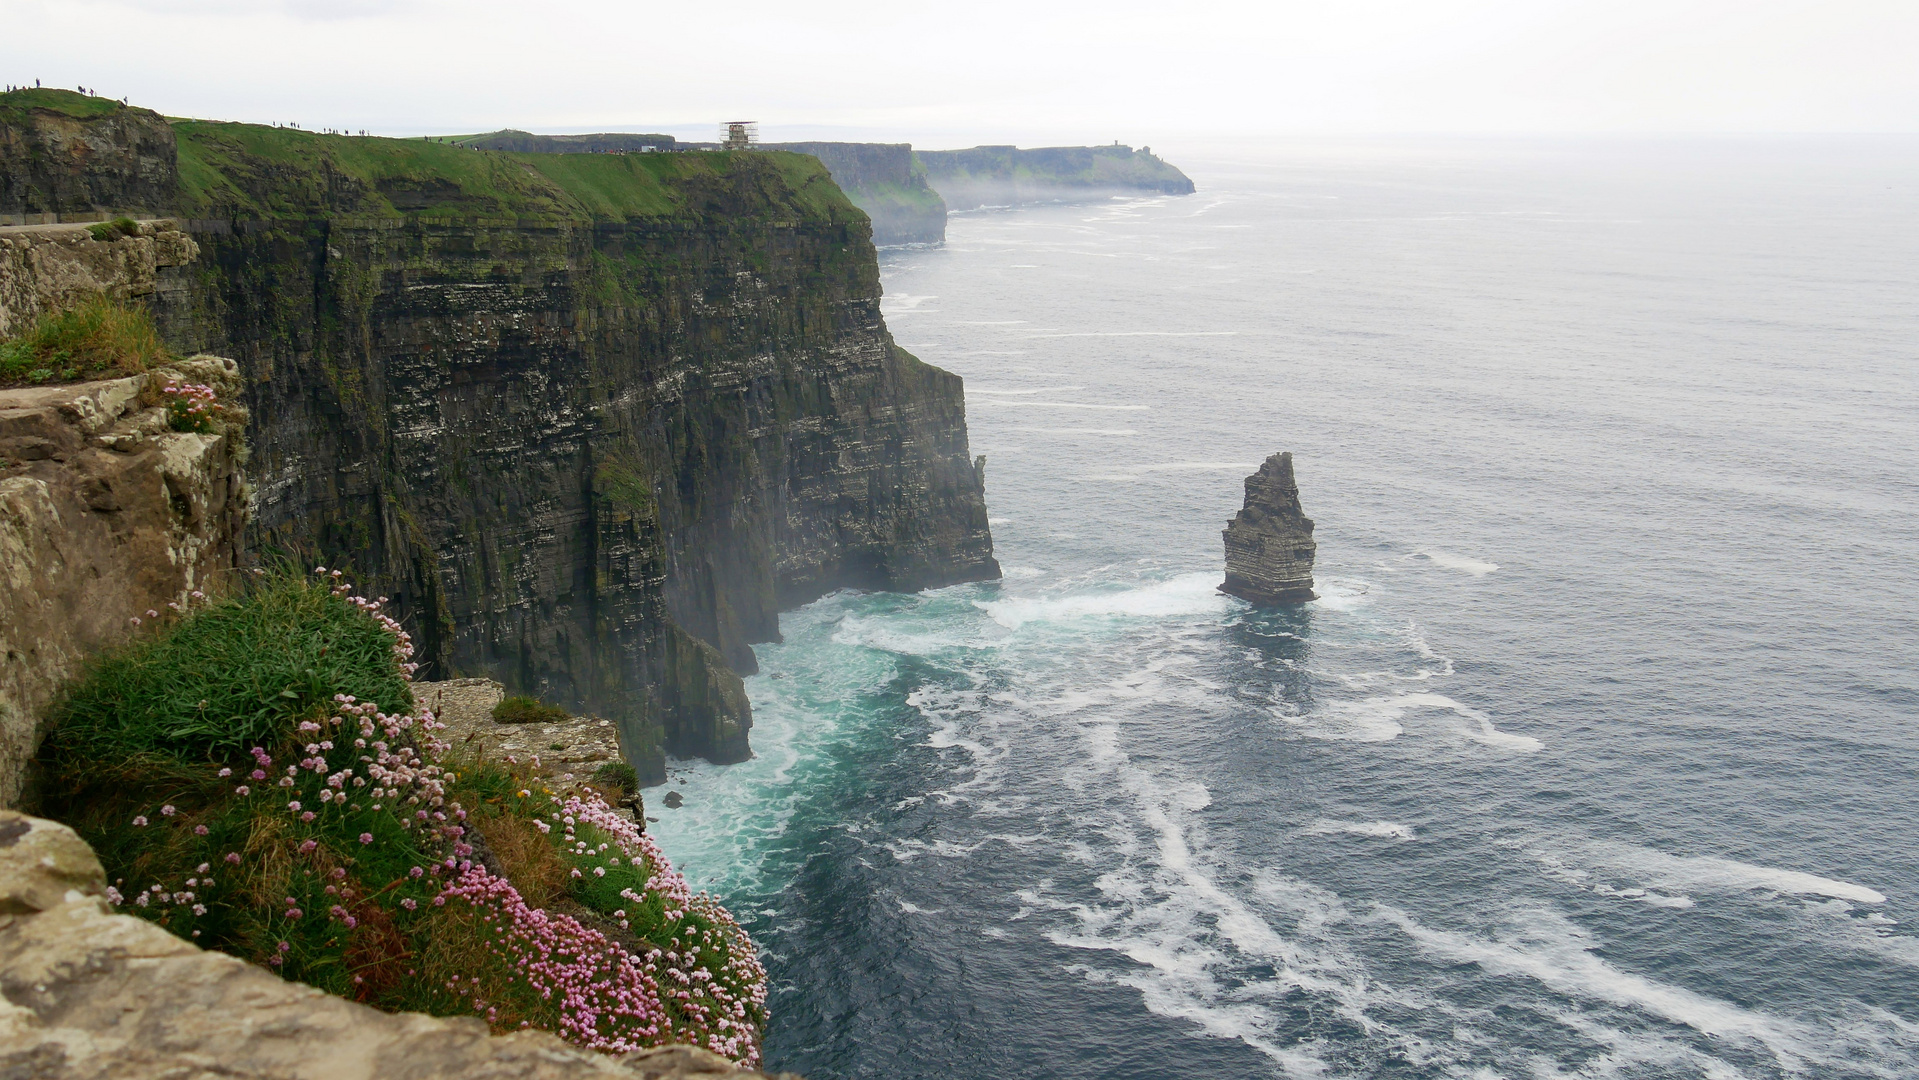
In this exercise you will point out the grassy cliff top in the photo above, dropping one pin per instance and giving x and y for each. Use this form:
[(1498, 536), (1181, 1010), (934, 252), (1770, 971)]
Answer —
[(66, 102), (250, 170)]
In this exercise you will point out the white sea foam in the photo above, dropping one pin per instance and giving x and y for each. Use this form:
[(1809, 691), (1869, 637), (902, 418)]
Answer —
[(1341, 594), (1700, 873), (1017, 573), (1475, 567), (904, 302), (999, 521), (1546, 947), (1384, 830), (1382, 719), (1188, 594)]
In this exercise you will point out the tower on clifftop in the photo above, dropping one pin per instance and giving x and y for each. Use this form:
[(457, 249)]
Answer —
[(740, 134)]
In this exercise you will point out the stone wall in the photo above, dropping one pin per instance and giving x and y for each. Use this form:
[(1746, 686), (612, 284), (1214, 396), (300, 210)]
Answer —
[(86, 994), (105, 514)]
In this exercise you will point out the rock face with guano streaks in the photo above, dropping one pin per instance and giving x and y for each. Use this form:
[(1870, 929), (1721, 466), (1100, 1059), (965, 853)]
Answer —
[(1269, 543)]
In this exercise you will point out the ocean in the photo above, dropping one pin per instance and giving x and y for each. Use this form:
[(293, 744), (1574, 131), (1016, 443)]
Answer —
[(1596, 756)]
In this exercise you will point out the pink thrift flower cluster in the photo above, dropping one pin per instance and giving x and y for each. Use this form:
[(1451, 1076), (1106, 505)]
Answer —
[(191, 407), (687, 974)]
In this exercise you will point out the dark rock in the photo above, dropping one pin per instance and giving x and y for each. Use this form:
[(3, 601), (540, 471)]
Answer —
[(590, 449), (673, 800), (1269, 543)]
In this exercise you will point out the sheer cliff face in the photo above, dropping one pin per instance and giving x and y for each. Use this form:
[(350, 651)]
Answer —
[(587, 454), (591, 420), (887, 181)]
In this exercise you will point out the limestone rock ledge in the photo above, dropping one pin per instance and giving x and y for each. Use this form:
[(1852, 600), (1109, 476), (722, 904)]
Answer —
[(47, 268), (105, 514), (1269, 543), (86, 994)]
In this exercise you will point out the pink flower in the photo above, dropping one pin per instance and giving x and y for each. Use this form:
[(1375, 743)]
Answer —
[(152, 614), (233, 857), (167, 810), (366, 838), (308, 845), (409, 903), (224, 773), (243, 790), (140, 821), (199, 830)]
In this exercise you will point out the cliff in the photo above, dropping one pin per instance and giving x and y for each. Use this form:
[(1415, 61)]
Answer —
[(1269, 543), (63, 153), (888, 182), (591, 420), (1007, 175)]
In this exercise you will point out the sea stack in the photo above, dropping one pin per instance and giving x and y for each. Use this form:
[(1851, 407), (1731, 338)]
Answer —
[(1269, 544)]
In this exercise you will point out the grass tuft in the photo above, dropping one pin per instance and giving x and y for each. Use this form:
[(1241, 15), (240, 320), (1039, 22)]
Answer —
[(238, 673), (619, 776), (515, 709), (108, 231), (101, 338)]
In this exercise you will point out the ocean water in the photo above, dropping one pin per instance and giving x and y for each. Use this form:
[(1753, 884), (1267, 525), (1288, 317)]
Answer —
[(1597, 755)]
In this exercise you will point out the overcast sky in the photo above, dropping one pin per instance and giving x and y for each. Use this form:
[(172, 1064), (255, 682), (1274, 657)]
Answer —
[(991, 71)]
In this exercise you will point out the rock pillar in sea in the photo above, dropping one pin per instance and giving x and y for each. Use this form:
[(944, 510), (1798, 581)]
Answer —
[(1269, 543)]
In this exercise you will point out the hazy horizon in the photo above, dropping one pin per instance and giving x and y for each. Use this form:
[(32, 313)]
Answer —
[(1071, 75)]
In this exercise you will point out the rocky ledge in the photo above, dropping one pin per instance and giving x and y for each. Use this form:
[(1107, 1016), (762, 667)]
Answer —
[(1269, 543), (86, 994), (106, 514)]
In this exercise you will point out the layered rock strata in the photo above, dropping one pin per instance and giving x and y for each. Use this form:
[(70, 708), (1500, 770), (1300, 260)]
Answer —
[(65, 155), (1269, 543), (591, 420), (86, 994)]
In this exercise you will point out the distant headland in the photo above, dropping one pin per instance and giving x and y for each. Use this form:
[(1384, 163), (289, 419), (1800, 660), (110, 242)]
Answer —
[(909, 192)]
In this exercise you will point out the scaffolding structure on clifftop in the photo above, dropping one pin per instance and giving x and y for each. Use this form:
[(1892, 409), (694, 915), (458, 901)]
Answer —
[(739, 134)]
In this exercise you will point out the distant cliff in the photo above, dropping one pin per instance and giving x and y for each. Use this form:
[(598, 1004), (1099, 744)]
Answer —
[(887, 181), (606, 142), (591, 420), (1007, 175)]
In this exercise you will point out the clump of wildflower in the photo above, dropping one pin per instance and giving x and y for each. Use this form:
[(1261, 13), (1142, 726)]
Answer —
[(192, 407)]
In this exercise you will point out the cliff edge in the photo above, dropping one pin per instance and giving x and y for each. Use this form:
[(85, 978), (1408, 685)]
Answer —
[(1269, 543)]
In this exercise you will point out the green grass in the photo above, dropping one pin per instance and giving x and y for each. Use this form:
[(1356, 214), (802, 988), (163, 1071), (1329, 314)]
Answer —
[(235, 674), (66, 102), (619, 776), (249, 170), (101, 338), (108, 231), (516, 709)]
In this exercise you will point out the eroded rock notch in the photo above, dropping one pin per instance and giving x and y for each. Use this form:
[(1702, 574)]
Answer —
[(1269, 543)]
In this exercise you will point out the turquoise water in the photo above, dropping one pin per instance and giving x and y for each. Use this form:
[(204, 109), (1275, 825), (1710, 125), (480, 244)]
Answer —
[(1596, 757)]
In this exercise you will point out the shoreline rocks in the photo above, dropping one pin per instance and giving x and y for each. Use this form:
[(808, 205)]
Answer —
[(1269, 543)]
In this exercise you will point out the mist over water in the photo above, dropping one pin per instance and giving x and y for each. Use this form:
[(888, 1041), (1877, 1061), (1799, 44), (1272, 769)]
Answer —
[(1596, 756)]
